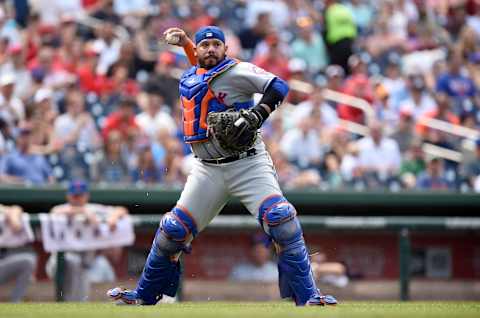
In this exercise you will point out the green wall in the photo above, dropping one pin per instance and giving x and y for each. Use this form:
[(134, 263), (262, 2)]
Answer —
[(158, 200)]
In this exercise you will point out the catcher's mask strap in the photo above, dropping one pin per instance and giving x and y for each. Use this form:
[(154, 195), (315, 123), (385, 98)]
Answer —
[(250, 152)]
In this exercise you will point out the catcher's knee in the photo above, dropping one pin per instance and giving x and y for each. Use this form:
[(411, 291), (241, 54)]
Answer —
[(278, 219), (177, 228)]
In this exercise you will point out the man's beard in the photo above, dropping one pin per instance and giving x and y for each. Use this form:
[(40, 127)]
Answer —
[(203, 63)]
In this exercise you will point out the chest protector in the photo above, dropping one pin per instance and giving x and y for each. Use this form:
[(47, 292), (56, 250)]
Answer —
[(198, 99)]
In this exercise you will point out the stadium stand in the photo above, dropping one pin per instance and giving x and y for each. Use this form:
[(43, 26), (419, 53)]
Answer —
[(65, 71)]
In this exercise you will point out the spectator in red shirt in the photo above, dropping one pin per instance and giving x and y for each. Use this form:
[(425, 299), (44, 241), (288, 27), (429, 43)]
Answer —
[(119, 83), (274, 60), (88, 79), (358, 85), (122, 120)]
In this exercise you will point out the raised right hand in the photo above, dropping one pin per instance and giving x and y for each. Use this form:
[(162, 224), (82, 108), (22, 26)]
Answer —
[(175, 36)]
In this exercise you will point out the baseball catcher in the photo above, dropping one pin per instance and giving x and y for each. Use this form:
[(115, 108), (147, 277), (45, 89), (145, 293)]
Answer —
[(220, 123)]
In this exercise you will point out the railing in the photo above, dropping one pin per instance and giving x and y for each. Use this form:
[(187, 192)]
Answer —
[(441, 152), (469, 135), (352, 101), (92, 22), (369, 112), (336, 97), (402, 225)]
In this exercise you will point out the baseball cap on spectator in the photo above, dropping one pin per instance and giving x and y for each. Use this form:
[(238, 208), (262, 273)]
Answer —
[(297, 65), (14, 49), (334, 71), (406, 114), (67, 18), (46, 29), (38, 74), (166, 58), (272, 39), (7, 79), (92, 50), (357, 59), (77, 187), (42, 94), (89, 52)]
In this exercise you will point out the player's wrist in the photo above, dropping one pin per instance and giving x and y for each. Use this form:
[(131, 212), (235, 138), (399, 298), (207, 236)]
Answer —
[(261, 113)]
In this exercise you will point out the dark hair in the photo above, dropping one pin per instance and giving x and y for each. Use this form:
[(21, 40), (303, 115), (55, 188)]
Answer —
[(126, 101)]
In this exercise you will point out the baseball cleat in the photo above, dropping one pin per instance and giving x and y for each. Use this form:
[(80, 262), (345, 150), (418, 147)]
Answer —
[(321, 300), (124, 296)]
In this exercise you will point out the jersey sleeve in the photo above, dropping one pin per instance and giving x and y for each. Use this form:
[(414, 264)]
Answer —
[(250, 78)]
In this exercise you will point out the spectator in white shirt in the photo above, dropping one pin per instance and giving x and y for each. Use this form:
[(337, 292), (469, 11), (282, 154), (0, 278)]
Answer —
[(379, 155), (132, 7), (16, 65), (302, 145), (52, 11), (260, 267), (419, 101), (476, 185), (328, 115), (277, 9), (155, 116), (76, 126), (350, 167), (108, 46), (11, 107)]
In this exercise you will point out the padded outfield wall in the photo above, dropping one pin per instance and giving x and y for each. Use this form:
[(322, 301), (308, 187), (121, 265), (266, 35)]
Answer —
[(436, 254), (158, 200)]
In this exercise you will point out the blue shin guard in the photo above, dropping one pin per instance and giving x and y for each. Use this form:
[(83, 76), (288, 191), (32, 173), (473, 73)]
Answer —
[(278, 218), (161, 274)]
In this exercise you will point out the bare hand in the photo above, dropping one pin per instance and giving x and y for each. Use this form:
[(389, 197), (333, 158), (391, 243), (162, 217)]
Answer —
[(92, 218), (112, 223), (83, 120), (175, 36)]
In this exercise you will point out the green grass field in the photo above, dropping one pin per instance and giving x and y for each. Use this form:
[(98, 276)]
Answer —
[(247, 310)]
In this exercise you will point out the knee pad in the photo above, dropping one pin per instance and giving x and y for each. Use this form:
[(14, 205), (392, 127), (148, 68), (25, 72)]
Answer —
[(278, 219), (176, 229)]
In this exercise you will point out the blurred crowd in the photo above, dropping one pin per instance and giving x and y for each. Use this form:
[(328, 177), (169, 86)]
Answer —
[(89, 91)]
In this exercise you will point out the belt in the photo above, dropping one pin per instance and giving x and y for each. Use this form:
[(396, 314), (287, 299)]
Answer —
[(250, 152)]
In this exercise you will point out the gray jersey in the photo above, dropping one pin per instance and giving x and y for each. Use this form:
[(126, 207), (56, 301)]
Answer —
[(235, 88)]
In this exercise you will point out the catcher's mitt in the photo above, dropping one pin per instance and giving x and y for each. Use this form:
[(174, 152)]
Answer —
[(235, 132)]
